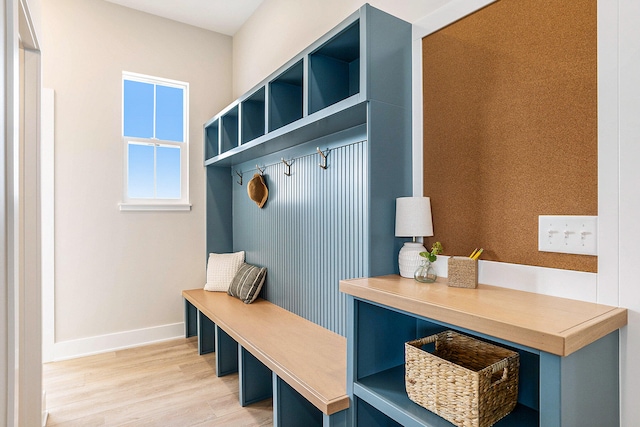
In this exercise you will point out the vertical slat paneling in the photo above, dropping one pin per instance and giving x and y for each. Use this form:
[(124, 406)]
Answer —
[(310, 233)]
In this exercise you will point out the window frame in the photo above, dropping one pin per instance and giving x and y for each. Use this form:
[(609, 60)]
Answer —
[(157, 204)]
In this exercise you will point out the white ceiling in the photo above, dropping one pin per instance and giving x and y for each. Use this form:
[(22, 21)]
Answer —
[(222, 16)]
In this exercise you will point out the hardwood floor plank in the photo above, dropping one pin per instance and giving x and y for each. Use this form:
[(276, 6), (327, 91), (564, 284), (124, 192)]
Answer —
[(163, 384)]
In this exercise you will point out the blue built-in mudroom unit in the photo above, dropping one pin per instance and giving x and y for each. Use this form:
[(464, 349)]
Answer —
[(331, 133)]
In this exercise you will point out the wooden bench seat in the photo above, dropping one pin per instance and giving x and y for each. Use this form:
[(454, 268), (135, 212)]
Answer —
[(307, 357)]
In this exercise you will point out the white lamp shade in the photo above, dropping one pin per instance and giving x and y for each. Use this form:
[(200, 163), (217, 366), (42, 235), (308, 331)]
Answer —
[(413, 217)]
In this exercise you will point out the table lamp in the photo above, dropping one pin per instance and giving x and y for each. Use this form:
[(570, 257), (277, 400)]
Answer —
[(413, 219)]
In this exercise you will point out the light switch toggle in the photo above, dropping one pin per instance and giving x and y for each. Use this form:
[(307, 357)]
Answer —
[(568, 234)]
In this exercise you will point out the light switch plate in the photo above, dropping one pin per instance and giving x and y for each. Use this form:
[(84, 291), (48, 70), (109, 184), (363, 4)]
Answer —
[(568, 234)]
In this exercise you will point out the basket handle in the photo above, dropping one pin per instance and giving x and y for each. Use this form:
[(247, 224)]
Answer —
[(500, 366), (426, 340)]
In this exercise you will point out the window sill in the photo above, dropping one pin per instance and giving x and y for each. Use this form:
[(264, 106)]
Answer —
[(155, 207)]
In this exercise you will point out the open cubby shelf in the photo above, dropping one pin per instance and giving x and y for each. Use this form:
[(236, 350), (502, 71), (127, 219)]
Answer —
[(253, 113), (229, 130), (386, 391), (285, 101), (380, 380), (212, 139), (336, 70), (347, 116)]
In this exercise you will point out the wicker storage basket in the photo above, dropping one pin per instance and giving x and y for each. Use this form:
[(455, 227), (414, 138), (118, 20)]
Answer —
[(468, 382)]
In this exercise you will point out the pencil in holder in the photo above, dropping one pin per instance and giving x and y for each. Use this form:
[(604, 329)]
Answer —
[(462, 272)]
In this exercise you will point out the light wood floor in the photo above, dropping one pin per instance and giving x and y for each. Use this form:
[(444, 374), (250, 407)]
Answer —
[(165, 384)]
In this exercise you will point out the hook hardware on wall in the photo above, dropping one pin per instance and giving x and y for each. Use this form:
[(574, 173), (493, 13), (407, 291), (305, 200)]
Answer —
[(323, 165), (288, 166), (289, 162)]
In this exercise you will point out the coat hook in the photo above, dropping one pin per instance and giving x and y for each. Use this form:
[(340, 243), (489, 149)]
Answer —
[(323, 165), (240, 176), (261, 170), (288, 166)]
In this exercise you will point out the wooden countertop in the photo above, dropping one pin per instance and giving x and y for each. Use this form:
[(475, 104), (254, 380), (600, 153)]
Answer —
[(310, 358), (555, 325)]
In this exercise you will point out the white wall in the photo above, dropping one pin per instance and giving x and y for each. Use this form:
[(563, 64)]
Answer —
[(281, 28), (629, 199), (118, 275)]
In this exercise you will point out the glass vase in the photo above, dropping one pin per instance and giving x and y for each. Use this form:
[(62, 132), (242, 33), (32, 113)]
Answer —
[(425, 273)]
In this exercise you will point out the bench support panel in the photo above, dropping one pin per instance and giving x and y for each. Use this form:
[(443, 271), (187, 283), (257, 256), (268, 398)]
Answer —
[(339, 419), (291, 409), (206, 334), (227, 353), (190, 320), (254, 377)]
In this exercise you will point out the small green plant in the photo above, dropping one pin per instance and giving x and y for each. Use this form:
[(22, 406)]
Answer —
[(436, 249)]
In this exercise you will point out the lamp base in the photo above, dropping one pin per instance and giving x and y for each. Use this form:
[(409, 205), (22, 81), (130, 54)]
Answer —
[(409, 258)]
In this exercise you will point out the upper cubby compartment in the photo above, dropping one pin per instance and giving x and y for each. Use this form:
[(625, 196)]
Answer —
[(334, 69), (253, 114), (229, 130), (285, 92), (211, 139)]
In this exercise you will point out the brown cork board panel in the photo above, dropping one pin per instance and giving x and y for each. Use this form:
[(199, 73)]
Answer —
[(510, 127)]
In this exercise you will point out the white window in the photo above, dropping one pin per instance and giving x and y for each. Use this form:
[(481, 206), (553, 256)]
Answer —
[(155, 123)]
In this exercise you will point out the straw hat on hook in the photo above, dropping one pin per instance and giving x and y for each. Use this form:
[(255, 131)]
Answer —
[(257, 190)]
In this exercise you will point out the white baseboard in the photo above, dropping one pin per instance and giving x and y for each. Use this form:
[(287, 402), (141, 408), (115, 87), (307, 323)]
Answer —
[(110, 342)]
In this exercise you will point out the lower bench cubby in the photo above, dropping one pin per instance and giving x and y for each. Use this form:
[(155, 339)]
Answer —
[(255, 378), (227, 355)]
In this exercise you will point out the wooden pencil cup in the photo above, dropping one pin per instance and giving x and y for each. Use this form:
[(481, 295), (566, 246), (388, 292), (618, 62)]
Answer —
[(463, 272)]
